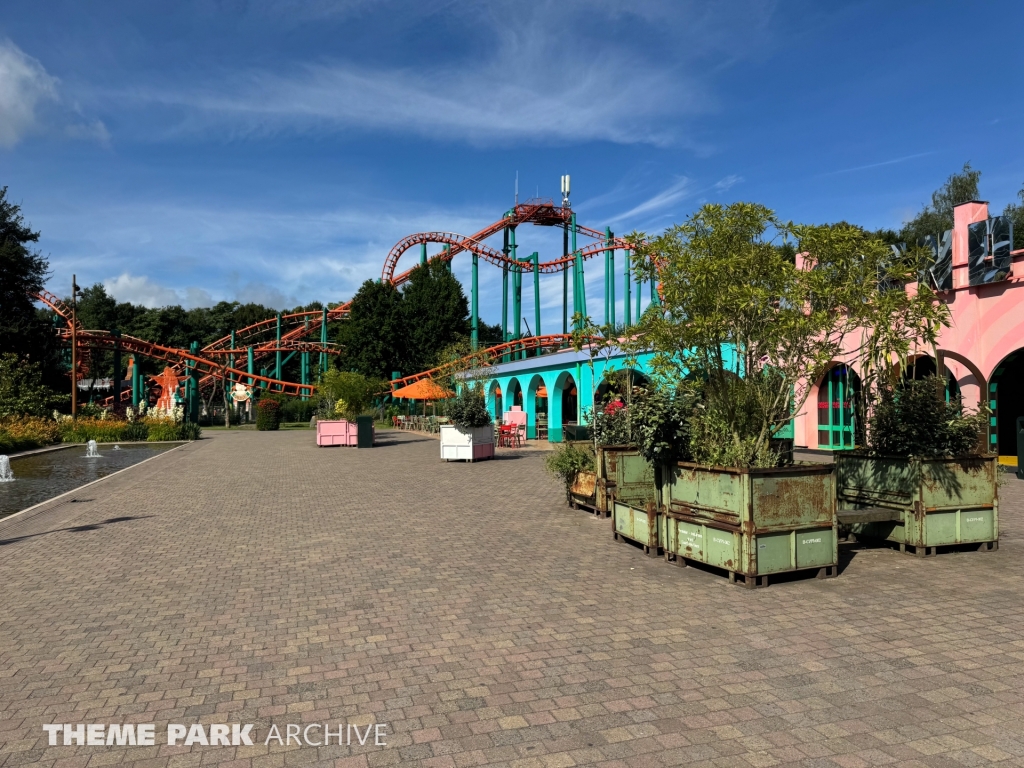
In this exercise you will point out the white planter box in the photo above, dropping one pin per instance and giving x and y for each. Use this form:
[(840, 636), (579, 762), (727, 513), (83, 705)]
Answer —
[(468, 445)]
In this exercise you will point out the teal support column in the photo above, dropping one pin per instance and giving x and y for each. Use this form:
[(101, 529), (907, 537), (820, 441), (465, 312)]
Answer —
[(277, 367), (639, 293), (192, 384), (626, 288), (231, 359), (580, 280), (250, 364), (423, 254), (654, 293), (448, 256), (136, 379), (565, 281), (608, 236), (323, 341), (517, 303), (607, 280), (536, 296), (304, 373), (504, 292), (475, 303)]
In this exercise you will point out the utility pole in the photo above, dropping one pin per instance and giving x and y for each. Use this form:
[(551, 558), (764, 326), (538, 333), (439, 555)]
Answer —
[(74, 347)]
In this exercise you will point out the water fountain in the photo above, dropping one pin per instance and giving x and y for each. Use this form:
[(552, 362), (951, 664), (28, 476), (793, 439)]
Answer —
[(91, 451), (6, 473)]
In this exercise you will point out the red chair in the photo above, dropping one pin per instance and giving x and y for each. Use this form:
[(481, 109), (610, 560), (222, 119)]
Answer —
[(505, 435)]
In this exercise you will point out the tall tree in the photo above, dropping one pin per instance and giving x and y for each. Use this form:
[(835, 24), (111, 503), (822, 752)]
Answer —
[(23, 270), (374, 338), (936, 218), (436, 313)]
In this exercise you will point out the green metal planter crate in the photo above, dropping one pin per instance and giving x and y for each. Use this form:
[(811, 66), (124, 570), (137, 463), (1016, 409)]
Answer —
[(752, 522), (639, 525), (920, 504), (620, 470)]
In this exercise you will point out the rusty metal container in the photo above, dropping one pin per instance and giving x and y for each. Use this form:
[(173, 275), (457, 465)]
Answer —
[(639, 524), (752, 522), (920, 504), (619, 470)]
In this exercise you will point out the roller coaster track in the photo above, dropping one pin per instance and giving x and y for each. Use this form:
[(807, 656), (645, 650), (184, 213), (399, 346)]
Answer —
[(62, 309), (207, 368), (488, 356), (300, 325)]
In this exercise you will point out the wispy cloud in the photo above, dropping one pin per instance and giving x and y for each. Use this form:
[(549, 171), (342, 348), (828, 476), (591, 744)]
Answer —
[(724, 185), (605, 99), (879, 165), (678, 190)]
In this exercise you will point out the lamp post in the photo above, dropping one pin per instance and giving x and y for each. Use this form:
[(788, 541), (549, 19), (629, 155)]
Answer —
[(74, 347)]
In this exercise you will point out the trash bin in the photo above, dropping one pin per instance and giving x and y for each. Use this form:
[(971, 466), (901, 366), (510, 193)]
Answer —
[(1020, 447), (364, 431), (575, 432)]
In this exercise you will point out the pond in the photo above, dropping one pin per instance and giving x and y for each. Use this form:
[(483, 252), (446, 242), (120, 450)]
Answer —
[(42, 476)]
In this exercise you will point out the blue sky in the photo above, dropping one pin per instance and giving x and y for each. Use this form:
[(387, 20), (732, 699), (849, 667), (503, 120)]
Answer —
[(197, 151)]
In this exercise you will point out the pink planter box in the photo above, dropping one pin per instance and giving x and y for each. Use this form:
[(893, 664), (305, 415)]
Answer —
[(339, 432)]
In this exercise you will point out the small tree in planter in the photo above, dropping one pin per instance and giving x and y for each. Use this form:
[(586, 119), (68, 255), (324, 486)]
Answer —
[(923, 482), (344, 395), (756, 310), (470, 436)]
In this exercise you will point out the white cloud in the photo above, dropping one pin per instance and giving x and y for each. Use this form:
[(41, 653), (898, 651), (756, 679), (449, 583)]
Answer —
[(139, 289), (30, 102), (24, 84)]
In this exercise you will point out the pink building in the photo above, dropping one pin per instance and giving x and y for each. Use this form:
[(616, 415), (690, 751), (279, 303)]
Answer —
[(982, 350)]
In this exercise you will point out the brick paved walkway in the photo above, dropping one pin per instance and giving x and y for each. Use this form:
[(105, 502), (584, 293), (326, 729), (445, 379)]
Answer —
[(254, 578)]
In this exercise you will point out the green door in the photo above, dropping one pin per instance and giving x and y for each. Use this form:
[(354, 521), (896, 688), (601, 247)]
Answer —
[(837, 397)]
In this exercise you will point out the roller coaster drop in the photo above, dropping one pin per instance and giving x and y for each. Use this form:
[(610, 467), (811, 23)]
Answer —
[(201, 368)]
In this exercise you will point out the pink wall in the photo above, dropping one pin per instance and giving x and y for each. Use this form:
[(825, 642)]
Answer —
[(986, 324)]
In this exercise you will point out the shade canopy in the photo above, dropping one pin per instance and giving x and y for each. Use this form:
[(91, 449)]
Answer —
[(424, 389)]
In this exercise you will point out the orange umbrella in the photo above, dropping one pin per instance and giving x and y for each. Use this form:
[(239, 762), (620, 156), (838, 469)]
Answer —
[(424, 389)]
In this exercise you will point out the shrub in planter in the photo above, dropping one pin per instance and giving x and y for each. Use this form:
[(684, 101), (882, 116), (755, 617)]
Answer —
[(470, 435), (567, 461), (469, 410), (915, 419), (923, 482), (268, 415)]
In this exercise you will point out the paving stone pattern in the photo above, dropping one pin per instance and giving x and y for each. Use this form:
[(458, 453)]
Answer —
[(255, 578)]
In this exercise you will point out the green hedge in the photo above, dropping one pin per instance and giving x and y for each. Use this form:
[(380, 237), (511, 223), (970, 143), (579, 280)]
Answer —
[(268, 415)]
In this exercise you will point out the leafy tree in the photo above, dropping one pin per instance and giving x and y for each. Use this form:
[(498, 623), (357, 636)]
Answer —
[(374, 338), (349, 394), (755, 329), (936, 218), (22, 391), (1015, 211), (436, 313), (22, 271)]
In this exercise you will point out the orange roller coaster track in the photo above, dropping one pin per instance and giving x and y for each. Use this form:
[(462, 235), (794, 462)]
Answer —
[(299, 325), (489, 355)]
